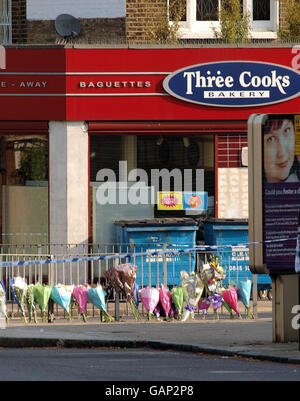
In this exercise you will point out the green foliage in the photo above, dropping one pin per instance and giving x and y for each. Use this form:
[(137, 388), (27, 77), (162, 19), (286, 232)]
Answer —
[(164, 31), (34, 162), (292, 31), (234, 24)]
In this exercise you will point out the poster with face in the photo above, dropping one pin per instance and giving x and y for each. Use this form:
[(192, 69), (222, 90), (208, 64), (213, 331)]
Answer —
[(281, 191)]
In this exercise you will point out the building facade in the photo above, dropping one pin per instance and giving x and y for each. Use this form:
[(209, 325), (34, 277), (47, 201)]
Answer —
[(133, 21), (76, 115)]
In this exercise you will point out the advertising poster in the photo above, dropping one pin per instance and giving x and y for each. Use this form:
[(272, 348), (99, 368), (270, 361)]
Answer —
[(233, 193), (195, 201), (169, 201), (281, 190)]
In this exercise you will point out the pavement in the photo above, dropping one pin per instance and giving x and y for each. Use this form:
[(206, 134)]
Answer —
[(250, 338)]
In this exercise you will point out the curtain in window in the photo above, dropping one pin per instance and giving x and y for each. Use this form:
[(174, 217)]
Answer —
[(5, 22), (261, 10), (207, 10)]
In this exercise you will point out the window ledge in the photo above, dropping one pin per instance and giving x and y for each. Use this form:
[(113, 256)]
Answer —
[(197, 35), (210, 35), (264, 35)]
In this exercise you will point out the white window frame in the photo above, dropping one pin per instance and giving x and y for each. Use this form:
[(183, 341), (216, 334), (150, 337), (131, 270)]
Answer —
[(192, 29)]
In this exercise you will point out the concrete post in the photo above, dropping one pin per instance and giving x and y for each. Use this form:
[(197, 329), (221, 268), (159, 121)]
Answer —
[(68, 192), (285, 296)]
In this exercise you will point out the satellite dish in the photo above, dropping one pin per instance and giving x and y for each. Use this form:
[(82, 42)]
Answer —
[(67, 26)]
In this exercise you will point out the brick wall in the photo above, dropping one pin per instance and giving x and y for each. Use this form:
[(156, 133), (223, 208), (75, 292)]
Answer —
[(101, 21), (283, 14), (143, 18), (18, 10), (229, 148), (93, 30)]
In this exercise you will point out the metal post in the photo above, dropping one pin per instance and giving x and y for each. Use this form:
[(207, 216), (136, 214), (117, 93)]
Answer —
[(117, 297), (254, 295), (149, 269), (117, 306), (164, 256)]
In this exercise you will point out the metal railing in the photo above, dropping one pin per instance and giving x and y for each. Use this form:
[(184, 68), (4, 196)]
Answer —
[(85, 263)]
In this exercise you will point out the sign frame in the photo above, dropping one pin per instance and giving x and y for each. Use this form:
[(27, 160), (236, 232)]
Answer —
[(261, 193), (166, 83)]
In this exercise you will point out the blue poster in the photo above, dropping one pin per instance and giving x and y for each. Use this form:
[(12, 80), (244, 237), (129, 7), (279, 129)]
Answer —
[(195, 201)]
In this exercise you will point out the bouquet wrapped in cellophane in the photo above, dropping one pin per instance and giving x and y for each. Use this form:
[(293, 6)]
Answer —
[(18, 288), (244, 293), (194, 288), (61, 295), (97, 297), (203, 305), (42, 294), (165, 300), (178, 297), (80, 296), (231, 301), (3, 310), (217, 301), (122, 279), (30, 303), (150, 298), (211, 275)]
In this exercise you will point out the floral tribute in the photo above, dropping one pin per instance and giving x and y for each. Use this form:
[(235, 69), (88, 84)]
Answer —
[(122, 278), (3, 310), (18, 289), (194, 288), (197, 292), (61, 295), (97, 297), (150, 298), (80, 298)]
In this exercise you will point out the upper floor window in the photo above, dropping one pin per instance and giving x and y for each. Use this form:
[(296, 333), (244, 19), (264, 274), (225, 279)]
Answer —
[(201, 18), (5, 22)]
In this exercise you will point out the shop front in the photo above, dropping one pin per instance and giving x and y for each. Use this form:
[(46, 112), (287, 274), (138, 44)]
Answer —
[(90, 136)]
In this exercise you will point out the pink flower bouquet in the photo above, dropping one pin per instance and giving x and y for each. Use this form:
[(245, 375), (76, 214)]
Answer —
[(231, 299), (165, 299), (150, 298), (80, 295)]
